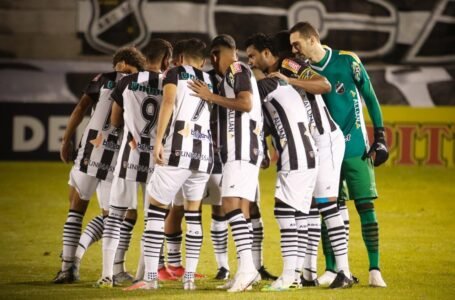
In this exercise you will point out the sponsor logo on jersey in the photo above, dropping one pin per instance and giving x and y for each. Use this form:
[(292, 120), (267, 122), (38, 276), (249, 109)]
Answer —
[(236, 67), (197, 135), (291, 65), (339, 88), (135, 86), (137, 167), (109, 145), (356, 70), (357, 109), (144, 147), (115, 24), (231, 123), (192, 155), (279, 129)]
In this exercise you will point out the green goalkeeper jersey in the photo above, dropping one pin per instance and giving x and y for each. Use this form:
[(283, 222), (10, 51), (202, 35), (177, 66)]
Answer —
[(350, 83)]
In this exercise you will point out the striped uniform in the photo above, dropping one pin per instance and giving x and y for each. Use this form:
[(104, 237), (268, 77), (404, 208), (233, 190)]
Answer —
[(100, 143), (140, 97), (188, 148), (328, 137), (287, 122), (239, 133)]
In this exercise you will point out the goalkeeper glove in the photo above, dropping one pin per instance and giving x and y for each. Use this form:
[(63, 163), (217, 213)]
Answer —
[(378, 150)]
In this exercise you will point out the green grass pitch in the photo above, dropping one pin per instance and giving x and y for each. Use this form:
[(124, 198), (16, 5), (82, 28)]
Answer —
[(416, 214)]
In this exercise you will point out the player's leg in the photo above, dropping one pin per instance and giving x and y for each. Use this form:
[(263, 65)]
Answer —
[(362, 188), (93, 232), (240, 180), (173, 233), (82, 187), (313, 222), (126, 231), (123, 195)]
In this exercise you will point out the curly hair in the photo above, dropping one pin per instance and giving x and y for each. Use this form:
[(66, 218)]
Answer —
[(131, 56), (261, 41)]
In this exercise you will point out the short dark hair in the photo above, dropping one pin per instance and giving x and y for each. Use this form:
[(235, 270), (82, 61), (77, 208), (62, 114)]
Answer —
[(179, 46), (131, 56), (194, 48), (224, 40), (261, 41), (282, 44), (157, 49), (305, 29)]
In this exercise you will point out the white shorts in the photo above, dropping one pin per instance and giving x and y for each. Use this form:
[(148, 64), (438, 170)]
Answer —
[(295, 188), (213, 190), (124, 193), (166, 181), (240, 179), (331, 152), (103, 193), (84, 184)]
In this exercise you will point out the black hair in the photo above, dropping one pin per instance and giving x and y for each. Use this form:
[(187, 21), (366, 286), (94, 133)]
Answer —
[(261, 41), (223, 40), (157, 49), (305, 29)]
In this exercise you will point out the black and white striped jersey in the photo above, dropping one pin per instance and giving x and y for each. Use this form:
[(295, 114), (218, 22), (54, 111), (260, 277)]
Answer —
[(188, 143), (239, 133), (287, 121), (140, 97), (100, 143), (321, 121), (217, 164)]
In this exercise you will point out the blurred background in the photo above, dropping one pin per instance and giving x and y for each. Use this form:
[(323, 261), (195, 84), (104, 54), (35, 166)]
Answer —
[(50, 49)]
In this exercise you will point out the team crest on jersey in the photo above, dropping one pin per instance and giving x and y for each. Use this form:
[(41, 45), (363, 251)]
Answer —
[(115, 24), (339, 88), (236, 67), (356, 70), (291, 65)]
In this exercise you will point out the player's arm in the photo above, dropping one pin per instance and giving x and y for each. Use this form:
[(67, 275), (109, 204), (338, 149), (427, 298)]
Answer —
[(309, 80), (116, 118), (167, 107), (363, 83), (116, 115), (74, 121)]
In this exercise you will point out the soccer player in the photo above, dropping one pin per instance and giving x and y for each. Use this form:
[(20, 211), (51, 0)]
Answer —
[(240, 127), (297, 166), (270, 54), (95, 160), (351, 83), (183, 154), (137, 100)]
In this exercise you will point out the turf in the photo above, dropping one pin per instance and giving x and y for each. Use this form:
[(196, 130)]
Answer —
[(416, 215)]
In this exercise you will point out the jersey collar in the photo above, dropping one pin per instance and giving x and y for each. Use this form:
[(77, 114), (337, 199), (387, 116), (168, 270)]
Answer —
[(320, 66)]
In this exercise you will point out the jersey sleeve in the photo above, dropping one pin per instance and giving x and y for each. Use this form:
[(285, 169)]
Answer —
[(239, 78), (266, 86), (363, 83), (171, 76), (93, 88), (117, 92)]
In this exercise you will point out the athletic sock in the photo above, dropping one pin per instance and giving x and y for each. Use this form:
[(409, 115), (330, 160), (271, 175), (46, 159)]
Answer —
[(302, 233), (345, 215), (111, 238), (337, 234), (219, 235), (330, 264), (153, 240), (370, 230), (93, 232), (314, 235), (242, 240), (126, 231), (285, 216), (258, 238), (174, 249), (161, 261), (193, 241), (71, 235)]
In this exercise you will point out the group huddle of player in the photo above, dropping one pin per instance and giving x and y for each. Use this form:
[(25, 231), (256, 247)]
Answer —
[(190, 137)]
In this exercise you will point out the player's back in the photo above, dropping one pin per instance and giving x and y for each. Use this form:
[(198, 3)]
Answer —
[(140, 96), (285, 115), (100, 142), (188, 143)]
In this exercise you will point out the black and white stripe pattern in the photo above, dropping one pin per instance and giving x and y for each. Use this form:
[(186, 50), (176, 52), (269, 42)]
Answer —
[(335, 227), (140, 97), (286, 117), (126, 231), (258, 238), (285, 216), (71, 235), (189, 143), (174, 246), (93, 232), (302, 232), (314, 235), (240, 230), (219, 236), (153, 240), (345, 215), (193, 241), (239, 133)]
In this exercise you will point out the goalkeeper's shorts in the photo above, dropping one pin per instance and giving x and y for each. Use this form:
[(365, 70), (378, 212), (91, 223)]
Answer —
[(357, 176)]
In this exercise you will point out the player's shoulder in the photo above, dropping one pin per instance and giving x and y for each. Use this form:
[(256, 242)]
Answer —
[(238, 67), (350, 55)]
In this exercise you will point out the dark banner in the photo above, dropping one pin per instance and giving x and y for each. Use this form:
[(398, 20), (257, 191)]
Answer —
[(403, 31), (33, 131)]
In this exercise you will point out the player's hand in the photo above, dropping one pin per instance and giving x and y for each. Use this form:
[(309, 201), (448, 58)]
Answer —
[(265, 163), (158, 154), (279, 76), (66, 151), (378, 150), (200, 89)]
